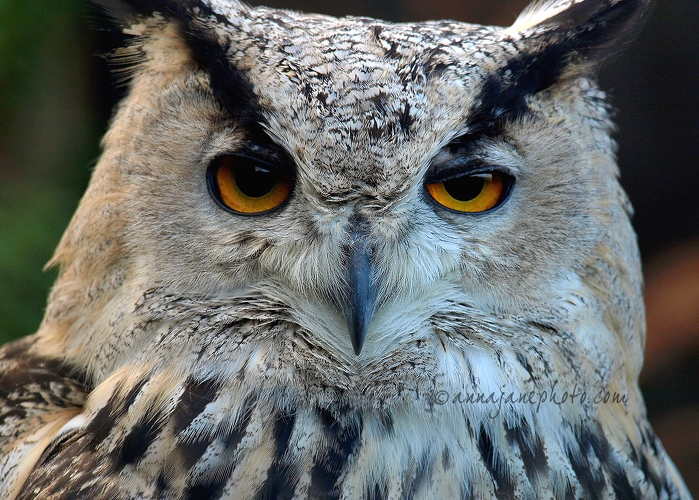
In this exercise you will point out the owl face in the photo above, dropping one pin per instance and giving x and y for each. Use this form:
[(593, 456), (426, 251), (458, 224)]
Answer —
[(393, 190), (342, 258)]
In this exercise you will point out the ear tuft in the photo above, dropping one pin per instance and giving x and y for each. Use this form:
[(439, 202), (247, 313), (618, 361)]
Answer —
[(196, 22), (543, 11), (589, 30), (127, 12)]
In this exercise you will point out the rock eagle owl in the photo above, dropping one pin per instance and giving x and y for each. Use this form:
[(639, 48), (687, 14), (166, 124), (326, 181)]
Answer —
[(345, 258)]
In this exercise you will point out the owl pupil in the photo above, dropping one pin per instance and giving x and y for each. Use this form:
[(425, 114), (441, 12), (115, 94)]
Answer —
[(253, 180), (464, 188)]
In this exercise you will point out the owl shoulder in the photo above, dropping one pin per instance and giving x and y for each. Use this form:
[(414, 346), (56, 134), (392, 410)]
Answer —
[(38, 396)]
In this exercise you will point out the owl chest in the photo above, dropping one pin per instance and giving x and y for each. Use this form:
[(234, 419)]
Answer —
[(196, 449)]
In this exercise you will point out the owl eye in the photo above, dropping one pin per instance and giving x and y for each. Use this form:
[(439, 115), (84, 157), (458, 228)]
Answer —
[(471, 193), (247, 185)]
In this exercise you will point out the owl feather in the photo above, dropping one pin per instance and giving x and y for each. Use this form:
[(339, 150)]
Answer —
[(344, 258)]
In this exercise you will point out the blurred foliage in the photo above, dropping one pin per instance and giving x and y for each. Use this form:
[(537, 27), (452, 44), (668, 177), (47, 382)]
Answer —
[(26, 28), (28, 231), (48, 134)]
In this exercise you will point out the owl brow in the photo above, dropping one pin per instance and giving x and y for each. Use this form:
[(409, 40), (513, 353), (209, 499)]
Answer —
[(230, 86), (232, 89), (503, 95), (588, 32)]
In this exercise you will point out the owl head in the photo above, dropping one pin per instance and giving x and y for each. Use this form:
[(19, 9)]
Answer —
[(355, 204)]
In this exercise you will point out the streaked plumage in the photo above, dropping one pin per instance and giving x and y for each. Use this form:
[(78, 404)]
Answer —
[(335, 345)]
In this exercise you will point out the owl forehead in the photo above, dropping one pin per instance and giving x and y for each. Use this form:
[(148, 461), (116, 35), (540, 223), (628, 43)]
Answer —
[(357, 96)]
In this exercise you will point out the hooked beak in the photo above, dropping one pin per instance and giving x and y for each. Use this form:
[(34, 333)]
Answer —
[(360, 302)]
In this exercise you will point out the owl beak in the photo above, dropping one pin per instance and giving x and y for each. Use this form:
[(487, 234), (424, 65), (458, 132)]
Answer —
[(361, 306)]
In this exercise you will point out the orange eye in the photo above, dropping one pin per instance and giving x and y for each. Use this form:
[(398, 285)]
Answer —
[(248, 186), (471, 193)]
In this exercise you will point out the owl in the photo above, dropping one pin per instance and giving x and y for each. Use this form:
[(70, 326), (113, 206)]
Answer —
[(343, 258)]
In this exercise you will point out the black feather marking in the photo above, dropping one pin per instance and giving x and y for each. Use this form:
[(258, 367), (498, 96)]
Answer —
[(191, 452), (71, 470), (446, 459), (569, 493), (83, 444), (231, 87), (279, 484), (620, 484), (525, 364), (232, 438), (63, 484), (531, 450), (504, 486), (592, 441), (591, 478), (127, 11), (194, 399), (387, 423), (405, 119), (137, 442), (161, 484), (33, 369), (650, 440), (342, 443), (422, 474), (650, 475), (106, 418), (378, 492)]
